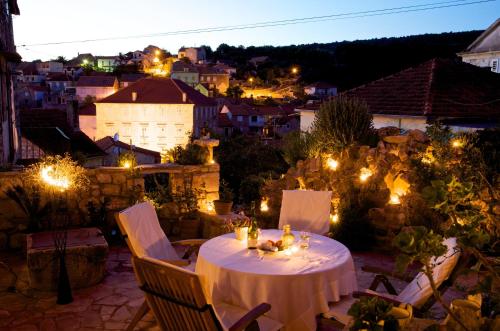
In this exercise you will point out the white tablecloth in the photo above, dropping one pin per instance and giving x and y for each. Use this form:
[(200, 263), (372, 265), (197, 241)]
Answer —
[(298, 287)]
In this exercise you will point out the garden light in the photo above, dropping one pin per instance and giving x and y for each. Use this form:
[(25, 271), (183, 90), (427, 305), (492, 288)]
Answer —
[(365, 174), (457, 143), (394, 199), (264, 207), (334, 218), (332, 164), (126, 165)]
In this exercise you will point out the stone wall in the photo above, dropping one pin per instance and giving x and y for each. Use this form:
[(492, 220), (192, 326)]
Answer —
[(123, 188), (388, 163)]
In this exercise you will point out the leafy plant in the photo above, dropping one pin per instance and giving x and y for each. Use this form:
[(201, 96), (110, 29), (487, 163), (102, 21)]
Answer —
[(97, 213), (296, 146), (30, 201), (372, 313), (192, 154), (340, 123), (158, 190), (186, 197), (225, 192)]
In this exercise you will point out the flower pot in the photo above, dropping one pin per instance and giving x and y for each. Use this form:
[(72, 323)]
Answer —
[(222, 208), (190, 228), (241, 232)]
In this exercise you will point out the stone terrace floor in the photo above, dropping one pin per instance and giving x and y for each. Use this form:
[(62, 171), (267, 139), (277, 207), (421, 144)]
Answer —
[(111, 304)]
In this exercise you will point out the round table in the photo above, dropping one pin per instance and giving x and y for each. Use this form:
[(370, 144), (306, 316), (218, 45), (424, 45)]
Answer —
[(298, 286)]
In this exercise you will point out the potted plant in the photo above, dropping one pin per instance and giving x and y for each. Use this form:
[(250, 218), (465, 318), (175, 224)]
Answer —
[(225, 203), (186, 199), (239, 225)]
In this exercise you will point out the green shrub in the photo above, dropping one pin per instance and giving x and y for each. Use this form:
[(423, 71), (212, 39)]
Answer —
[(225, 192), (296, 146), (250, 188), (340, 123), (192, 154)]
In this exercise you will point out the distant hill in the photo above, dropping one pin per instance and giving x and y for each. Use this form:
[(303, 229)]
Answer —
[(348, 63)]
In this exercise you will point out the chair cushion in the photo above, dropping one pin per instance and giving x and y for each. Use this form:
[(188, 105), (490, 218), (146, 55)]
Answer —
[(419, 290), (145, 233), (338, 310), (306, 210), (230, 314)]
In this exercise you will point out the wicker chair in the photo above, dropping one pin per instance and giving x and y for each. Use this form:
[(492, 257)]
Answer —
[(144, 236), (418, 292), (176, 297)]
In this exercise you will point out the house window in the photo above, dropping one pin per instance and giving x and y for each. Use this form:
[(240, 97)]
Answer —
[(254, 119), (239, 118)]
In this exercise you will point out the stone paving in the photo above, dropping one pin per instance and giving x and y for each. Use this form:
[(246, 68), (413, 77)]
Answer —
[(109, 305)]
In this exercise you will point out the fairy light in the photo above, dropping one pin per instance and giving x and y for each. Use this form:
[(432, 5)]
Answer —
[(51, 178)]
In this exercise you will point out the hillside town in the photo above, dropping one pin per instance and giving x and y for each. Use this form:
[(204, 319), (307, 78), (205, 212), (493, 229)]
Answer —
[(326, 168)]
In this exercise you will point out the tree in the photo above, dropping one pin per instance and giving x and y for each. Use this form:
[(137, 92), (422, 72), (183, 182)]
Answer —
[(340, 123), (61, 59), (234, 92)]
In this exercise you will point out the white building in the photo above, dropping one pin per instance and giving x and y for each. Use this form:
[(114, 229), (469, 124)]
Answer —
[(485, 50), (155, 113), (98, 87), (321, 89), (195, 54), (106, 63), (49, 66)]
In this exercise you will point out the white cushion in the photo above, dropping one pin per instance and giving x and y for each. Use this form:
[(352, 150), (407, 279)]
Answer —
[(229, 314), (145, 233), (306, 210), (419, 290), (338, 310)]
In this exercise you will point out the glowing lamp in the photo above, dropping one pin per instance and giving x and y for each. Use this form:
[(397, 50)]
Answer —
[(126, 165), (264, 207), (157, 52), (334, 218), (456, 143), (394, 199), (156, 60), (51, 178), (85, 62), (250, 80), (295, 70), (210, 206), (332, 164), (365, 174)]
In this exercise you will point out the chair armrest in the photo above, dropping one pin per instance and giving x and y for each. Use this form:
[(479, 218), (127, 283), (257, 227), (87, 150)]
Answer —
[(189, 242), (250, 317), (359, 294), (385, 272), (179, 263)]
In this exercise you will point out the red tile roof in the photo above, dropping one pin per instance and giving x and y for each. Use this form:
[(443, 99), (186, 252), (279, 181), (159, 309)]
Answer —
[(159, 91), (436, 88), (96, 81), (107, 142)]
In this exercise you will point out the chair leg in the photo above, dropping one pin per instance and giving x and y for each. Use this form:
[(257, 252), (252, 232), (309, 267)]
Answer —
[(143, 310)]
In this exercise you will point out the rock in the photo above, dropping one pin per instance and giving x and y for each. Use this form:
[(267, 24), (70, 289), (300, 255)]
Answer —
[(396, 139), (418, 136), (388, 131), (119, 178), (104, 178), (17, 241), (111, 189)]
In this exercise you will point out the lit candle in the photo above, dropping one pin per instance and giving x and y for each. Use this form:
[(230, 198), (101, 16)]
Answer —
[(263, 205)]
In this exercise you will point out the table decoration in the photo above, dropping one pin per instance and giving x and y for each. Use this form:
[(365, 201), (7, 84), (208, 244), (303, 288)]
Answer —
[(287, 238)]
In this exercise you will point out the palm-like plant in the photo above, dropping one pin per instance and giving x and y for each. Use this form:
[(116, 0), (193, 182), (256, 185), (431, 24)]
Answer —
[(30, 201)]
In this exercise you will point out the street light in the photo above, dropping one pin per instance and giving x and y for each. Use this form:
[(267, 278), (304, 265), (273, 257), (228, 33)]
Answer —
[(295, 70)]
